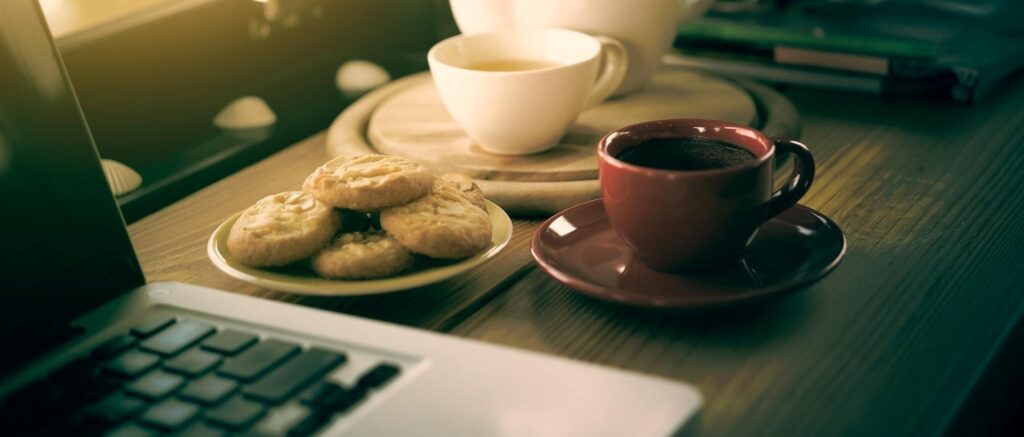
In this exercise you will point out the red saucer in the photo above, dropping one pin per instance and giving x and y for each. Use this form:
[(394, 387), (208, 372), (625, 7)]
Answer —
[(579, 248)]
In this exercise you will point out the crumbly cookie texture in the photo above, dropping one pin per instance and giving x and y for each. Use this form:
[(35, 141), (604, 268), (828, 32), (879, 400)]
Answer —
[(362, 255), (442, 224), (369, 182), (282, 229), (466, 186)]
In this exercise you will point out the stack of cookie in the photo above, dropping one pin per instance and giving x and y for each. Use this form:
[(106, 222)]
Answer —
[(364, 217)]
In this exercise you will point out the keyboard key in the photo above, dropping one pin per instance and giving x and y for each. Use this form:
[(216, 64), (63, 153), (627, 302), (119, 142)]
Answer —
[(229, 342), (354, 368), (311, 424), (331, 397), (155, 385), (200, 429), (151, 325), (132, 430), (194, 362), (132, 363), (250, 364), (279, 420), (236, 413), (379, 376), (176, 338), (170, 414), (115, 408), (292, 376), (209, 389), (114, 346), (316, 394)]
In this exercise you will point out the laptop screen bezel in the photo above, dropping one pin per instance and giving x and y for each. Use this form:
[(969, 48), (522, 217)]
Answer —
[(66, 248)]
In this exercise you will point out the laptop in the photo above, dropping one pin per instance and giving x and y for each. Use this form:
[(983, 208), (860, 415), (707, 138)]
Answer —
[(90, 349)]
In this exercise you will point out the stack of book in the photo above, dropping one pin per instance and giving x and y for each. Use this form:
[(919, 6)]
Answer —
[(900, 49)]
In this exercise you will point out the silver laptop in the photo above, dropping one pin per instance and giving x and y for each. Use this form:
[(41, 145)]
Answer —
[(90, 349)]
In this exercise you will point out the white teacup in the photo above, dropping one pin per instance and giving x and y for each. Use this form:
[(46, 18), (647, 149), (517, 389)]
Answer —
[(517, 91), (645, 27)]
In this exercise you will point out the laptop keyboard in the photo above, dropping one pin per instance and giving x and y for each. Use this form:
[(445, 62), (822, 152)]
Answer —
[(177, 376)]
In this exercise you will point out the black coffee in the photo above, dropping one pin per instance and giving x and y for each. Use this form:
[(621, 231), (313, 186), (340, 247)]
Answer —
[(692, 153)]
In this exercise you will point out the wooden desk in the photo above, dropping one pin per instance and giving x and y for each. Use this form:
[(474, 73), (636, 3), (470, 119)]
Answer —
[(930, 196)]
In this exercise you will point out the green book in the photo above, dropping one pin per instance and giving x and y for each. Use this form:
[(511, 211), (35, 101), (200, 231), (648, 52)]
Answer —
[(794, 29)]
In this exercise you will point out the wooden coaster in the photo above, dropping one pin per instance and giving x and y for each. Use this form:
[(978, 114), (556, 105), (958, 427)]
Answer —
[(414, 124), (549, 182)]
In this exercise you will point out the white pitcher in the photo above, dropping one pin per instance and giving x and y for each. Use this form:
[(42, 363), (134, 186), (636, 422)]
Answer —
[(645, 27)]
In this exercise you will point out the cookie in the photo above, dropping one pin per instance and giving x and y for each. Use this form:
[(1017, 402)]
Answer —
[(368, 182), (362, 255), (442, 224), (281, 229), (466, 186)]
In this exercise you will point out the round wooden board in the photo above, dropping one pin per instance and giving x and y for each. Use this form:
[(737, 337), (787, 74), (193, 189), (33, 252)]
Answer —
[(414, 124), (348, 136)]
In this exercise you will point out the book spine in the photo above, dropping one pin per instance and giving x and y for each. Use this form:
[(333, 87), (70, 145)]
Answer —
[(758, 34), (778, 74), (824, 79), (900, 68), (867, 64)]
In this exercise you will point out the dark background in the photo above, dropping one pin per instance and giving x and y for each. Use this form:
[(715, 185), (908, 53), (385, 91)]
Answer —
[(150, 92)]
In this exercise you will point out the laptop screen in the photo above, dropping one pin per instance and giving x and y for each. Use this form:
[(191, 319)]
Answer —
[(64, 249)]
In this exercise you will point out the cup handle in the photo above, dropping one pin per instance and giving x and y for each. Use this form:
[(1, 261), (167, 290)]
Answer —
[(799, 181), (616, 61)]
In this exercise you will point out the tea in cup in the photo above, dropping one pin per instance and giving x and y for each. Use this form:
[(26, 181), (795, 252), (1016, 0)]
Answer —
[(645, 27), (518, 91), (687, 194)]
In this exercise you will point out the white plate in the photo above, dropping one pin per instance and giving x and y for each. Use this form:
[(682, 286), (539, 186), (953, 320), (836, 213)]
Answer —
[(300, 281)]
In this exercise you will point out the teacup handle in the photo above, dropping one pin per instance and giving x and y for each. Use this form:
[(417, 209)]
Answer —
[(799, 181), (616, 61)]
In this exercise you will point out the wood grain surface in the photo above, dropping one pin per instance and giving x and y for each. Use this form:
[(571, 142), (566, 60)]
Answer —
[(930, 195)]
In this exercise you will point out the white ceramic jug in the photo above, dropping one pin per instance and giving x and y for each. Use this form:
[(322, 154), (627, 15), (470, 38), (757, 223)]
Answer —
[(645, 27)]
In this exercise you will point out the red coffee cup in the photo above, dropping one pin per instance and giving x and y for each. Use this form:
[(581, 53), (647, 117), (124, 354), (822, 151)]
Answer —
[(682, 220)]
